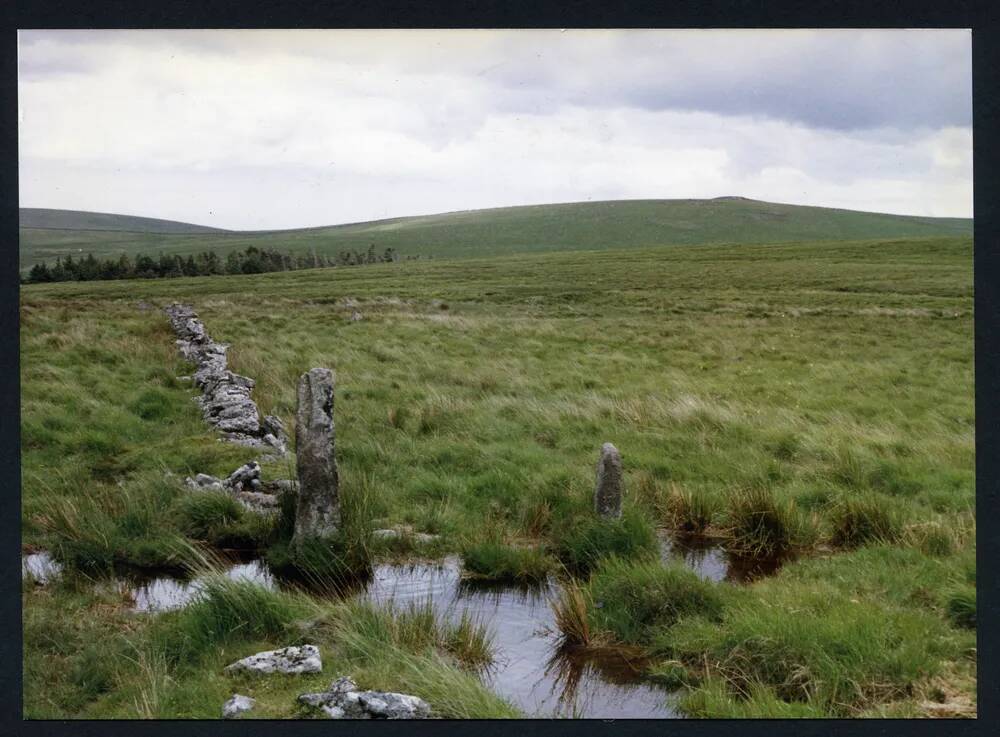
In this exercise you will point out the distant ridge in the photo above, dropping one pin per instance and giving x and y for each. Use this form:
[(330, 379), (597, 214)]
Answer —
[(41, 217), (576, 226)]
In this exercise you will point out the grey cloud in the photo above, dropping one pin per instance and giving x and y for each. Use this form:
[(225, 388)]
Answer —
[(832, 79)]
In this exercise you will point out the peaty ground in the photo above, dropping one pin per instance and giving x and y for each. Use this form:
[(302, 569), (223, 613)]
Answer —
[(824, 387)]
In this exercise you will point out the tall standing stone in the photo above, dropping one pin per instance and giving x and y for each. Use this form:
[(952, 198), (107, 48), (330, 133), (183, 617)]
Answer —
[(317, 513), (608, 490)]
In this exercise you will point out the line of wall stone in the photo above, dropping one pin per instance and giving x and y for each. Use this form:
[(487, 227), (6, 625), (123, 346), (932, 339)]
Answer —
[(225, 401)]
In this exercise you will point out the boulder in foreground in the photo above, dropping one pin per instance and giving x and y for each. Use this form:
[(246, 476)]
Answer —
[(293, 659)]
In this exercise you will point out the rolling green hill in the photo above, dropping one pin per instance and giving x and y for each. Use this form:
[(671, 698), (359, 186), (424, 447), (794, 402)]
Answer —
[(573, 226), (44, 218)]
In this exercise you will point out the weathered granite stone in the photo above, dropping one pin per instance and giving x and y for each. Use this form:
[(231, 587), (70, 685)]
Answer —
[(388, 705), (237, 705), (317, 512), (392, 534), (272, 424), (244, 475), (225, 401), (343, 701), (608, 489), (257, 502), (304, 659), (204, 482)]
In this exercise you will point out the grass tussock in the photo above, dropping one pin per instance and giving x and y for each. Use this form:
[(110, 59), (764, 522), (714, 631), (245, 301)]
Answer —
[(218, 519), (495, 561), (226, 611), (572, 607), (414, 650), (639, 600), (857, 521), (842, 636), (960, 604), (690, 511), (758, 524), (120, 526), (589, 539)]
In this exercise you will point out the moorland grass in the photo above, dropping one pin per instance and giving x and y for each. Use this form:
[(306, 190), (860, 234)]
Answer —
[(812, 372), (581, 225), (496, 561), (859, 520), (588, 540), (639, 600), (758, 524), (836, 635)]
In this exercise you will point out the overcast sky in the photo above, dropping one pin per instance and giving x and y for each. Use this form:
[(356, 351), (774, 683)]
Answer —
[(273, 129)]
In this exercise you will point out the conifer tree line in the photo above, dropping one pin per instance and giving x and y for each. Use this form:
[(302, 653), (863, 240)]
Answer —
[(252, 260)]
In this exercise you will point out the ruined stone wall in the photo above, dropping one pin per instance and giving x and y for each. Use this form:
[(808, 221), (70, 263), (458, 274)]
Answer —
[(225, 401)]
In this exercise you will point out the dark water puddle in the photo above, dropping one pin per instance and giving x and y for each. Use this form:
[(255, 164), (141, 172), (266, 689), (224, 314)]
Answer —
[(531, 670), (709, 560), (152, 592)]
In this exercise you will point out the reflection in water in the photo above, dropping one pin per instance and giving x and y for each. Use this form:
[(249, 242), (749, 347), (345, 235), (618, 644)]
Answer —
[(40, 566), (531, 670), (164, 593), (711, 562)]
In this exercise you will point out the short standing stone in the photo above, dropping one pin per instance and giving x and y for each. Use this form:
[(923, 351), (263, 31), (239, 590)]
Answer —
[(237, 705), (608, 490), (304, 659), (317, 512)]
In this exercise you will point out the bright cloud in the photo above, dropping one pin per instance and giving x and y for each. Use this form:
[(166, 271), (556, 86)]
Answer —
[(261, 129)]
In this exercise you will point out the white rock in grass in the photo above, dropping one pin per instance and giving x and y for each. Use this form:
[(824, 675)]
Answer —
[(388, 705), (237, 705), (342, 700), (304, 659)]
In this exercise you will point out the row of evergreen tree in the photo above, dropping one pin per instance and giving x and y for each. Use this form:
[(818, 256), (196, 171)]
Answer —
[(250, 261)]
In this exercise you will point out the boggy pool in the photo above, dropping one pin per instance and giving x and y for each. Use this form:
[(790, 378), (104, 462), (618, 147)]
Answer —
[(531, 669)]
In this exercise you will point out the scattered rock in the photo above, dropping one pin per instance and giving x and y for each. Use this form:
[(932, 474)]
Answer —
[(343, 701), (608, 490), (258, 502), (244, 476), (204, 482), (293, 659), (317, 512), (237, 705), (356, 316), (392, 534), (387, 705)]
